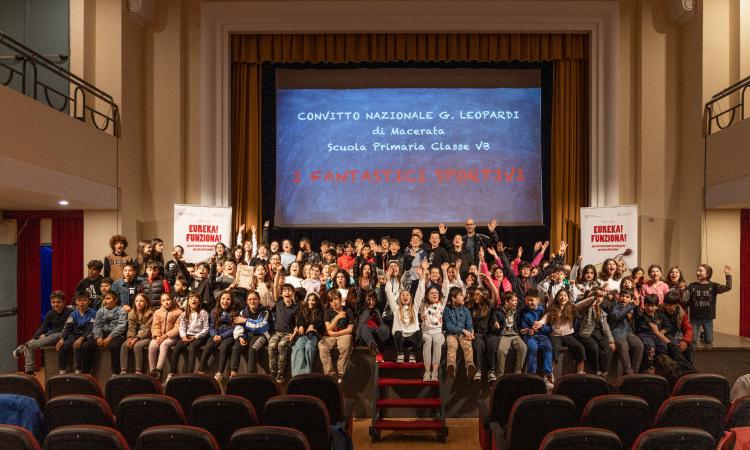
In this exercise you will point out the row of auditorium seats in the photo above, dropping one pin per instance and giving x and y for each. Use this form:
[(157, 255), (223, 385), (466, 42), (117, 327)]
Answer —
[(219, 415), (163, 437), (78, 399), (517, 406), (521, 412), (534, 416), (185, 388), (673, 438)]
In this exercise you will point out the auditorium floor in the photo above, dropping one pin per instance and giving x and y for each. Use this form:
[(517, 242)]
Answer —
[(462, 434)]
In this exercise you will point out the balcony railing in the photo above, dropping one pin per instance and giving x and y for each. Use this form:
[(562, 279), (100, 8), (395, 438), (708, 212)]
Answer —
[(727, 107), (29, 72)]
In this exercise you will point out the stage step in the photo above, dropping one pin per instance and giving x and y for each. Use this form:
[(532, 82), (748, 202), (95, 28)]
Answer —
[(406, 374), (402, 425), (405, 382), (426, 403), (397, 365)]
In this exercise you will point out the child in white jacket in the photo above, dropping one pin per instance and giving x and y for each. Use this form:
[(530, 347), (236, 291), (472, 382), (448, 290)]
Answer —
[(405, 317), (432, 329), (193, 333)]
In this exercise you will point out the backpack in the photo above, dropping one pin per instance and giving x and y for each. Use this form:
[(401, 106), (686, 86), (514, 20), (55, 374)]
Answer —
[(340, 438)]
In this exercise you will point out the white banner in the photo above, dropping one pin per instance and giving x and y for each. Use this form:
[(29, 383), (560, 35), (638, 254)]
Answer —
[(608, 232), (198, 228)]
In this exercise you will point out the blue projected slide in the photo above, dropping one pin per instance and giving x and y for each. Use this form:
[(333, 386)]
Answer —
[(408, 156)]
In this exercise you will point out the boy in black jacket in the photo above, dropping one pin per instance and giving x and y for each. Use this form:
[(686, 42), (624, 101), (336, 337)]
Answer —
[(371, 329), (48, 333), (524, 280), (91, 285), (154, 285), (78, 328), (202, 282)]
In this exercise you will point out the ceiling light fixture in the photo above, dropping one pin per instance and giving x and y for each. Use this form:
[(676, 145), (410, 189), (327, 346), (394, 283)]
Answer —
[(63, 202)]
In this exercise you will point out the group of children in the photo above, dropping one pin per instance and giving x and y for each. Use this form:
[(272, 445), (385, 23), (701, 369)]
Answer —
[(464, 292)]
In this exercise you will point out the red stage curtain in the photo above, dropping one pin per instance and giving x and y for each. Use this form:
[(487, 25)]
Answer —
[(67, 253), (745, 273), (67, 262), (29, 288)]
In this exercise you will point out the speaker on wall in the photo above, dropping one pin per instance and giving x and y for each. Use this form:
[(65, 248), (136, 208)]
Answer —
[(142, 10), (681, 10)]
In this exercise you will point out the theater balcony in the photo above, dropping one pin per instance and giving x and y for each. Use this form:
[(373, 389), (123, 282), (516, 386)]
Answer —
[(728, 148), (58, 135)]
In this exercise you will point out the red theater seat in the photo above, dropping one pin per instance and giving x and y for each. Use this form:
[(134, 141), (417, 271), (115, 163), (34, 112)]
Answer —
[(85, 437)]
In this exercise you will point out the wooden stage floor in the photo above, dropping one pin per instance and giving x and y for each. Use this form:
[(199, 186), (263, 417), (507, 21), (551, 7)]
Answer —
[(729, 355)]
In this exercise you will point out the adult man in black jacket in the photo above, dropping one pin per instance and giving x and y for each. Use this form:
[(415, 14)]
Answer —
[(472, 241)]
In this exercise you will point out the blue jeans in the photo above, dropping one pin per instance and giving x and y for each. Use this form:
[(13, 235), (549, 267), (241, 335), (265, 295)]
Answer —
[(652, 345), (688, 354), (379, 335), (534, 344), (708, 330), (303, 353)]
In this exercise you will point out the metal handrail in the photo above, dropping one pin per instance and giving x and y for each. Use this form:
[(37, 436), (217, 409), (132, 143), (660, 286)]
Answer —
[(8, 312), (718, 118), (19, 58), (83, 94)]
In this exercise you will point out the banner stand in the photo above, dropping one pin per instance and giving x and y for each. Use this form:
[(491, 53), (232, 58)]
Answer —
[(199, 228), (609, 232)]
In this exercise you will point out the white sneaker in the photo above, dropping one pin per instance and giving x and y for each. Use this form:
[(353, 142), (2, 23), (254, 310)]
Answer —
[(400, 358), (62, 372), (549, 381), (427, 376), (434, 376), (478, 375), (412, 358), (77, 372), (219, 376), (491, 377), (18, 351)]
